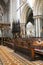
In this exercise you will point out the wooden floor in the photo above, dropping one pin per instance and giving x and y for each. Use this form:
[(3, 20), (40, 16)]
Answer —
[(9, 57)]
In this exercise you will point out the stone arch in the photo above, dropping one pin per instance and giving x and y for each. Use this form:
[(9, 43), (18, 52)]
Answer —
[(26, 8), (38, 16), (23, 14), (38, 9)]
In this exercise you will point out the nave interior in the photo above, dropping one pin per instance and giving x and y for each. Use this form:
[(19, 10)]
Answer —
[(21, 32)]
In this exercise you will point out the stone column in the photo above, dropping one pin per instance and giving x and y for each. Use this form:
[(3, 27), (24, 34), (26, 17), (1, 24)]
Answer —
[(10, 12), (37, 25), (22, 25)]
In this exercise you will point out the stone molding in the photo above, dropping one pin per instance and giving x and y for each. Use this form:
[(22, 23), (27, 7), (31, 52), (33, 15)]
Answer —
[(38, 16)]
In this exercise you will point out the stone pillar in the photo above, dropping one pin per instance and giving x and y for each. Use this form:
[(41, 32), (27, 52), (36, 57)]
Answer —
[(22, 25), (39, 26), (14, 10), (36, 27), (10, 12), (37, 19)]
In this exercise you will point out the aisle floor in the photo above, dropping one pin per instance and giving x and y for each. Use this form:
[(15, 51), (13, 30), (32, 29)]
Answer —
[(9, 57)]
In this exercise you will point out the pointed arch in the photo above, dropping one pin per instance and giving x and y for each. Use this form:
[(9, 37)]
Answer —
[(25, 9), (38, 9)]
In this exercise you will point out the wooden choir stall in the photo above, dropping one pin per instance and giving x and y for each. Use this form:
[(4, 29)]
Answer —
[(3, 26)]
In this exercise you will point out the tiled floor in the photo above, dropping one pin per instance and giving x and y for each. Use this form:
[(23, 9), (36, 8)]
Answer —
[(9, 57), (1, 62)]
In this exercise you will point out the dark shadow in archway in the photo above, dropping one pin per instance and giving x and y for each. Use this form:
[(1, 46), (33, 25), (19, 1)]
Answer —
[(29, 18)]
